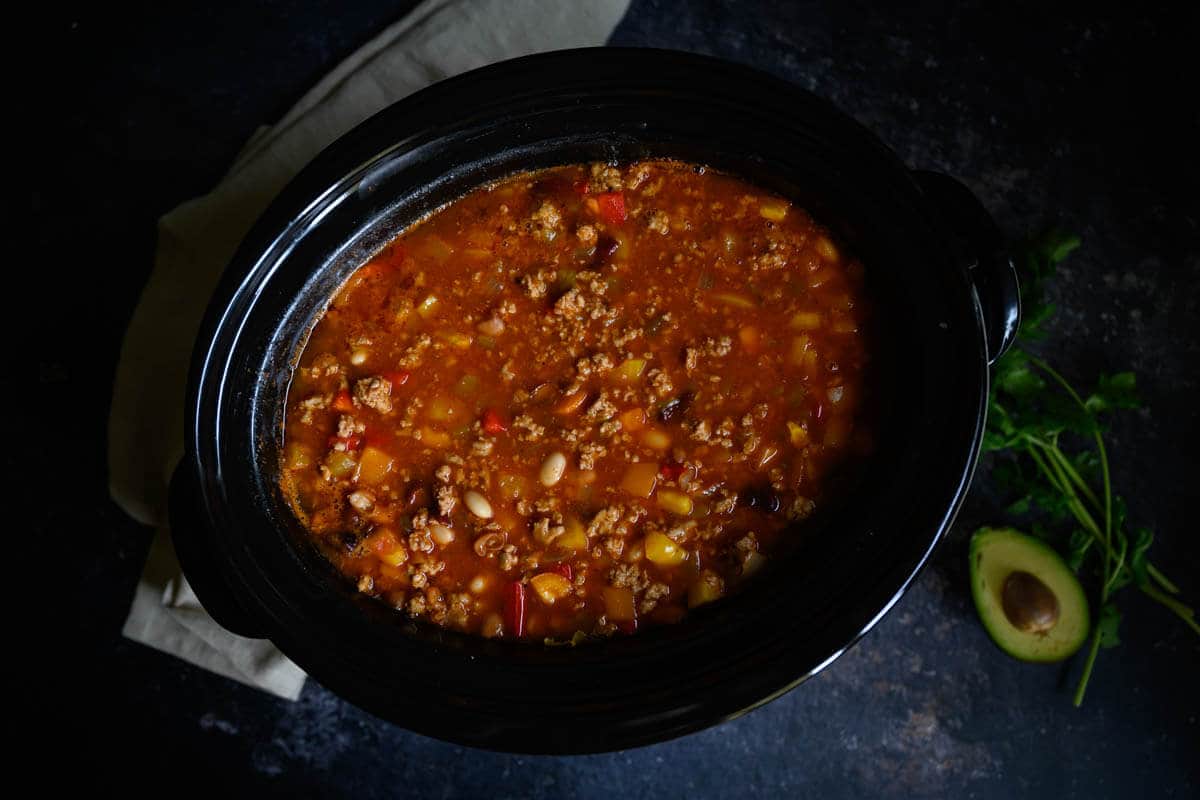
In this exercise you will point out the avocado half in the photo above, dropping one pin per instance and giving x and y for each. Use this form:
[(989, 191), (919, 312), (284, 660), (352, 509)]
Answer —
[(1028, 599)]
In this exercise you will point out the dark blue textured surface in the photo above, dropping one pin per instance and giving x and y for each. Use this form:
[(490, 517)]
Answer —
[(1049, 117)]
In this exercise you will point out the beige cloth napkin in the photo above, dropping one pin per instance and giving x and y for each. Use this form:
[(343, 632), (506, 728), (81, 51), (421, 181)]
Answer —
[(439, 38)]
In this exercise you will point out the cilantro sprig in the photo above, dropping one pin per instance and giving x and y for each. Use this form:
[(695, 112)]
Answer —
[(1052, 458)]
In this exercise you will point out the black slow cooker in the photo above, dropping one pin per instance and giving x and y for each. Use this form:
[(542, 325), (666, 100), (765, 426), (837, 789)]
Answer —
[(947, 304)]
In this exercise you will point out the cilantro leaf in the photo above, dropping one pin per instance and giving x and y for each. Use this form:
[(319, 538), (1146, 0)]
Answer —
[(1114, 391), (1107, 625)]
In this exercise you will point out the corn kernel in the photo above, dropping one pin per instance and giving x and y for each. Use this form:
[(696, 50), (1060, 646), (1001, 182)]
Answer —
[(773, 210), (675, 502), (394, 557), (806, 320), (664, 551), (826, 249)]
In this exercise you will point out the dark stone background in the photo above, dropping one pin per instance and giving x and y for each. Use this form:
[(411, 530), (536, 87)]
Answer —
[(1089, 121)]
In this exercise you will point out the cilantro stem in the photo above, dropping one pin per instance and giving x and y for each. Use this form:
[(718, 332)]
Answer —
[(1151, 570), (1188, 615), (1086, 674)]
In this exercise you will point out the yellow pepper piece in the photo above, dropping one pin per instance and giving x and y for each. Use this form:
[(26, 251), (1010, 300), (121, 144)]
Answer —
[(640, 479), (630, 370), (705, 589), (374, 465), (798, 434), (618, 604), (550, 587)]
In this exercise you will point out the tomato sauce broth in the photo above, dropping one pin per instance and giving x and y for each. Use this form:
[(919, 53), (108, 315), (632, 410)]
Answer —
[(580, 401)]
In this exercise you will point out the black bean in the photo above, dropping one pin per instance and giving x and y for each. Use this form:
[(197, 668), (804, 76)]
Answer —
[(605, 247), (762, 498), (674, 409)]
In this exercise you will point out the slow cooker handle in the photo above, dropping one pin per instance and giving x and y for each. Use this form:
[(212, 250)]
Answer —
[(197, 560), (988, 263)]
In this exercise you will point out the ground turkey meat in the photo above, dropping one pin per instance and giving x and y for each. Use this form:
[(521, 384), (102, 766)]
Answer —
[(374, 392), (605, 178), (654, 593), (589, 452), (629, 576), (446, 500), (659, 222), (547, 215)]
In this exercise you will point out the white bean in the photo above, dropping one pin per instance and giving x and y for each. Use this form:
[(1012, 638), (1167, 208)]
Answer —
[(477, 504), (477, 584), (492, 327), (441, 534), (552, 469)]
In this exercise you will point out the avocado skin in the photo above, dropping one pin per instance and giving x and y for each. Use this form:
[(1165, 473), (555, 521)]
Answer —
[(997, 552)]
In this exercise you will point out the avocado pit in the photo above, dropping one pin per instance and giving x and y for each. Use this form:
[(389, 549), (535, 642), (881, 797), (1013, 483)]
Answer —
[(1028, 603)]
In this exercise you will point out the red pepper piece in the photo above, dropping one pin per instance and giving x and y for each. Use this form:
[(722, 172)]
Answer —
[(612, 207), (514, 609), (671, 470), (580, 187), (492, 422), (564, 569), (342, 402), (352, 442)]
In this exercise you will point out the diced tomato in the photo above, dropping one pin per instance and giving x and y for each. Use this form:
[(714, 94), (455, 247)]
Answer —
[(580, 187), (492, 422), (612, 207), (398, 378), (514, 609), (343, 402), (671, 470), (564, 569)]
